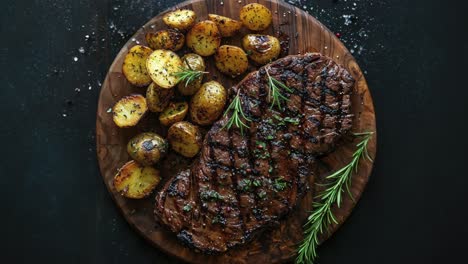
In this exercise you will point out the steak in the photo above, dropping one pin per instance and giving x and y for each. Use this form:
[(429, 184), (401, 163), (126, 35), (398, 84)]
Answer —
[(243, 183)]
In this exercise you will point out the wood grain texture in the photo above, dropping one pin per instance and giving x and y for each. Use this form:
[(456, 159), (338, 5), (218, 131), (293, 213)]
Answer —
[(277, 244)]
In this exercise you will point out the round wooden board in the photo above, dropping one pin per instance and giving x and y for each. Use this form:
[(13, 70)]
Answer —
[(275, 245)]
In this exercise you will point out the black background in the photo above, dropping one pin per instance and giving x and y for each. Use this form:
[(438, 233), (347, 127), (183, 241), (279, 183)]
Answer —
[(55, 207)]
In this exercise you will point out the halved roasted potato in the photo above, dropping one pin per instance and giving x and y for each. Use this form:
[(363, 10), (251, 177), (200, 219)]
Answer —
[(228, 27), (193, 62), (158, 98), (261, 48), (136, 181), (255, 16), (147, 148), (165, 39), (162, 66), (181, 19), (185, 138), (173, 113), (208, 103), (134, 65), (204, 38), (231, 60), (129, 110)]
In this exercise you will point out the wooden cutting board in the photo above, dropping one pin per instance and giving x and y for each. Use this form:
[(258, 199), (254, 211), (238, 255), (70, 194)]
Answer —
[(278, 244)]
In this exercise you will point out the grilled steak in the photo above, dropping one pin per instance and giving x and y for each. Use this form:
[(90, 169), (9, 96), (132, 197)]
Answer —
[(242, 183)]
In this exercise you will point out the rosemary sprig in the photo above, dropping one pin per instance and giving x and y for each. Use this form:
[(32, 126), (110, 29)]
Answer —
[(274, 93), (322, 216), (188, 74), (237, 115)]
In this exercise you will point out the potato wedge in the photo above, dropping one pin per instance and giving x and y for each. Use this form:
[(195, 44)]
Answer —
[(193, 62), (134, 65), (231, 60), (185, 138), (208, 103), (255, 16), (129, 110), (136, 181), (173, 113), (261, 48), (161, 65), (165, 39), (158, 98), (228, 27), (147, 148), (204, 38), (181, 19)]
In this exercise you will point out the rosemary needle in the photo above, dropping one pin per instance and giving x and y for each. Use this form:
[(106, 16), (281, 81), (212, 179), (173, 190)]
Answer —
[(188, 75), (322, 216), (274, 94), (237, 115)]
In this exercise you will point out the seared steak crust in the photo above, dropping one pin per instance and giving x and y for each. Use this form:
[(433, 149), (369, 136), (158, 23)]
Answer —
[(241, 184)]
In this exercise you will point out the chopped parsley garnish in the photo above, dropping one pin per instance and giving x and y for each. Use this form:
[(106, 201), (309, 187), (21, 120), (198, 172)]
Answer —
[(210, 195), (280, 184), (187, 208)]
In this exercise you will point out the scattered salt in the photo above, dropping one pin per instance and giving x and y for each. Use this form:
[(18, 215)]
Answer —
[(81, 50), (75, 58)]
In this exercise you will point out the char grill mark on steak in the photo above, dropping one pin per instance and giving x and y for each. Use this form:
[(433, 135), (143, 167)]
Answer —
[(235, 189)]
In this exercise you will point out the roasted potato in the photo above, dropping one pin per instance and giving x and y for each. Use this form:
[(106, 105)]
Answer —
[(180, 19), (134, 65), (261, 48), (228, 27), (165, 39), (173, 113), (158, 98), (162, 65), (136, 181), (193, 62), (231, 60), (129, 110), (185, 138), (208, 103), (147, 148), (204, 38), (255, 16)]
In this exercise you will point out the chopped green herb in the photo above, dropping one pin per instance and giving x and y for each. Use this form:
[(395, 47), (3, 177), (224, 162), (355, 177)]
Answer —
[(187, 208), (210, 195), (262, 194), (280, 184), (257, 183)]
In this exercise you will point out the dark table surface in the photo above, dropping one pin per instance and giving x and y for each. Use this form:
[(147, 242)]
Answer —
[(55, 54)]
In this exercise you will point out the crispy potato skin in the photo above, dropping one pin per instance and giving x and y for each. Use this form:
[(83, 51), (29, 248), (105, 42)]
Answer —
[(147, 148), (204, 38), (231, 60), (165, 39), (158, 98), (161, 65), (255, 16), (195, 62), (228, 27), (134, 65), (185, 138), (181, 19), (173, 113), (261, 48), (136, 181), (208, 103), (129, 110)]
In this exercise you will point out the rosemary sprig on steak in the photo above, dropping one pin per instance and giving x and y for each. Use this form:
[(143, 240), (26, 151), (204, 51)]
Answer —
[(274, 94), (322, 216), (237, 115)]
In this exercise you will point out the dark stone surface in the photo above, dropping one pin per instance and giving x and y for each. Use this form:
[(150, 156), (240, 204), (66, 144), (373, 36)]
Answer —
[(55, 207)]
